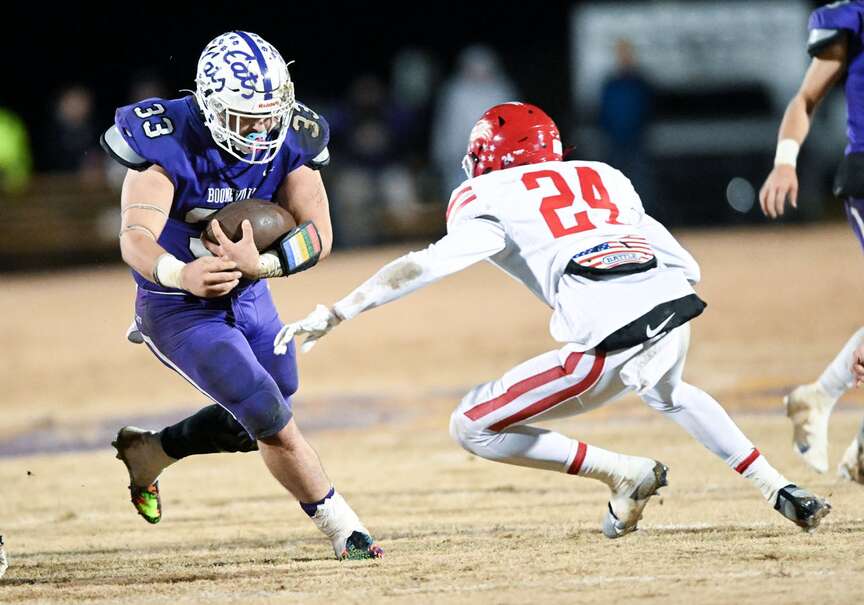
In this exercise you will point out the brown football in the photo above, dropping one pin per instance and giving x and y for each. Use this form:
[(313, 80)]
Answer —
[(269, 222)]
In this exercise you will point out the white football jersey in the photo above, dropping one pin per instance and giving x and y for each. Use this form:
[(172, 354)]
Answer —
[(530, 221), (553, 211)]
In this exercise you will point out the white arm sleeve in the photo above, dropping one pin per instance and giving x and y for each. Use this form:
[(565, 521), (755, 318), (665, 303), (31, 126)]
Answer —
[(469, 242), (669, 251)]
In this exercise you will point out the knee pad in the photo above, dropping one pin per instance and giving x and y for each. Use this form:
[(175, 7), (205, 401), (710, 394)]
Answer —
[(263, 413), (457, 430), (468, 433)]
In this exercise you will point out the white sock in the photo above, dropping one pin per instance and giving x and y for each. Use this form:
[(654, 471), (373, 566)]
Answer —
[(596, 463), (837, 377), (753, 466), (336, 519)]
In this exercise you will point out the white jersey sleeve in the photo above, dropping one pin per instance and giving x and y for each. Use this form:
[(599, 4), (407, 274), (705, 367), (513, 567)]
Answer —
[(470, 242)]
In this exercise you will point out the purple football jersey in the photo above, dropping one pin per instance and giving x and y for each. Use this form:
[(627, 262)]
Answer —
[(172, 134), (826, 25)]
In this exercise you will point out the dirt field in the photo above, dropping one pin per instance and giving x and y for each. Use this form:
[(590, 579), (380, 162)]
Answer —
[(376, 396)]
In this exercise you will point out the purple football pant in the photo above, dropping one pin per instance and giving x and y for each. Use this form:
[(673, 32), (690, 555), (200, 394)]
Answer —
[(855, 213), (224, 347)]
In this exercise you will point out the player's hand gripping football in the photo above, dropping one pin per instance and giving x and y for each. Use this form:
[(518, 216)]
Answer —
[(242, 252), (209, 277), (858, 366), (314, 326), (780, 184)]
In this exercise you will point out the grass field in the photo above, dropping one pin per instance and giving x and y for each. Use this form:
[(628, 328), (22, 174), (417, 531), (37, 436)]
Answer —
[(375, 400)]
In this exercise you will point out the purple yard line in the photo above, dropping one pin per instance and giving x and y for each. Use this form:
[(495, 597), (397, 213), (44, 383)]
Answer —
[(358, 410), (319, 414)]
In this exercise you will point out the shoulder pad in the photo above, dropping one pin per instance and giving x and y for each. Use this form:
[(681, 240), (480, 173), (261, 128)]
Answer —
[(116, 146), (153, 129), (820, 39), (309, 134), (829, 23)]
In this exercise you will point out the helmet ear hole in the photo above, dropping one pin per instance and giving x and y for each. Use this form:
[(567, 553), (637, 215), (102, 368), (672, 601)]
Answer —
[(501, 121)]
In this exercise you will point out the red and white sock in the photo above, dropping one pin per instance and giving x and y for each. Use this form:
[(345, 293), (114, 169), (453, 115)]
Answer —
[(753, 466), (609, 467)]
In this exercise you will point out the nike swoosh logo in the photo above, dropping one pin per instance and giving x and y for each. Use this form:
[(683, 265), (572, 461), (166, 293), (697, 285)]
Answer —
[(652, 332)]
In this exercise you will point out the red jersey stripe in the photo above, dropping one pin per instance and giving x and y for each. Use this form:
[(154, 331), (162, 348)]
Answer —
[(460, 206), (455, 198)]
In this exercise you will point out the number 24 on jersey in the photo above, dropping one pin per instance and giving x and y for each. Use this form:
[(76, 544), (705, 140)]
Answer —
[(593, 193)]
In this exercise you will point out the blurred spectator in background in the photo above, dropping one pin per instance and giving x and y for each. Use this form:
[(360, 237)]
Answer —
[(478, 84), (413, 77), (15, 159), (626, 108), (370, 133), (147, 85), (71, 143)]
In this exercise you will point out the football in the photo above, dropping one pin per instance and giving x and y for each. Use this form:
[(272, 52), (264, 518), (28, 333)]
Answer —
[(269, 222)]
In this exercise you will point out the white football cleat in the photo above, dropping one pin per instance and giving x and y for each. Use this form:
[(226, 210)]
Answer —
[(133, 334), (630, 496), (4, 563), (852, 465), (141, 451), (809, 407)]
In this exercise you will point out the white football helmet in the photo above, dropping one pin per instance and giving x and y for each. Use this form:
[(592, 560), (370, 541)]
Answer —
[(242, 76)]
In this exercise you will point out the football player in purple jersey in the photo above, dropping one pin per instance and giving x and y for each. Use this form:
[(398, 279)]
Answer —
[(205, 310), (835, 45)]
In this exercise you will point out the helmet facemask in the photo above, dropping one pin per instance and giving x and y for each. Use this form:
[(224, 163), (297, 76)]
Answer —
[(256, 146)]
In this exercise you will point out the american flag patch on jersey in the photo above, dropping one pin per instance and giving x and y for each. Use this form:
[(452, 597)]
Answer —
[(629, 254)]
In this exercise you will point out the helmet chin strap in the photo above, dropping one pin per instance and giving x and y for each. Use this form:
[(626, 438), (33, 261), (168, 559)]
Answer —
[(468, 165)]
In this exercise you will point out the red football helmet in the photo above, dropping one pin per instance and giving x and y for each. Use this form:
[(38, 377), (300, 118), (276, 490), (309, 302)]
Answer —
[(511, 134)]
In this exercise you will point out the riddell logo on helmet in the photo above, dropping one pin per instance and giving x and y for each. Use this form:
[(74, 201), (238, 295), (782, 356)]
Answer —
[(268, 104)]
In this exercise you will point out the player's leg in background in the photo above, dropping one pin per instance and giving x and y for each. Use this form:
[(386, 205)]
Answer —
[(288, 455), (491, 422), (809, 406), (4, 562), (707, 422), (852, 464)]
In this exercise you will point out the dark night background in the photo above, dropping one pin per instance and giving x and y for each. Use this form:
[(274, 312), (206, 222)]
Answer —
[(107, 48), (104, 47)]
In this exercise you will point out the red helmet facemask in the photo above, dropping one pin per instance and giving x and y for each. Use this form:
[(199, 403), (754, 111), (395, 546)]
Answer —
[(511, 134)]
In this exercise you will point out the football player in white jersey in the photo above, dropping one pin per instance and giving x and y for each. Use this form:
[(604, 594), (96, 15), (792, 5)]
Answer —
[(620, 288)]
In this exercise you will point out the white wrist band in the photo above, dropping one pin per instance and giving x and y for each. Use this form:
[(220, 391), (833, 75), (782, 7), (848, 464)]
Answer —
[(167, 270), (787, 152), (269, 265)]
